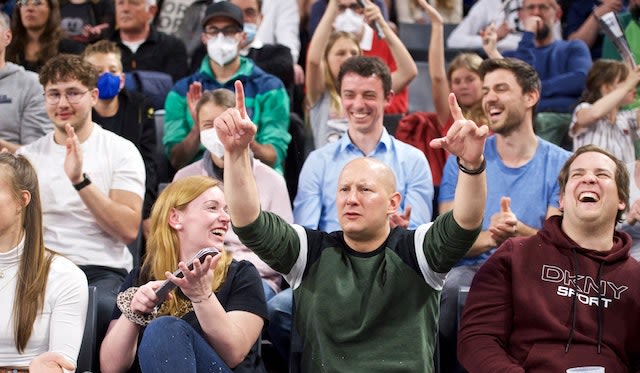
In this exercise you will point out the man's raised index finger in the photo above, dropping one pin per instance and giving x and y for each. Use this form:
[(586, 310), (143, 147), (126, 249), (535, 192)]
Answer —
[(240, 99), (456, 111)]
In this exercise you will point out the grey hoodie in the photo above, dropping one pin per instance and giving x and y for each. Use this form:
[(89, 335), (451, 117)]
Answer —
[(23, 118)]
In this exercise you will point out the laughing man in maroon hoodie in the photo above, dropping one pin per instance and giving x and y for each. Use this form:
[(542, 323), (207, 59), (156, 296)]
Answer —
[(568, 296)]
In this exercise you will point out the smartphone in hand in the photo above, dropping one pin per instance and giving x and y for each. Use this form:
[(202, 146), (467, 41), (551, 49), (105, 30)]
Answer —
[(374, 25), (167, 285)]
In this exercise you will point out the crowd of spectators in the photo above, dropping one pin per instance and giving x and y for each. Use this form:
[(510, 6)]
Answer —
[(124, 111)]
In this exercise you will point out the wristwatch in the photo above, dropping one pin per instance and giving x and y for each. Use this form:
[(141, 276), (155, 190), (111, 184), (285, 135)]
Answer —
[(86, 181)]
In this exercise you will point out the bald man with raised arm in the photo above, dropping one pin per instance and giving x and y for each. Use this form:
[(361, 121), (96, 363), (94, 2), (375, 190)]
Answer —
[(366, 297)]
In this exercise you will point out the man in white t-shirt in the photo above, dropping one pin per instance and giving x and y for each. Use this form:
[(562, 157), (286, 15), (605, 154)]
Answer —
[(92, 182)]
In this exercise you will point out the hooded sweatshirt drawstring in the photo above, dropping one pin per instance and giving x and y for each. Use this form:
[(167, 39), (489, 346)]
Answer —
[(574, 299), (600, 322)]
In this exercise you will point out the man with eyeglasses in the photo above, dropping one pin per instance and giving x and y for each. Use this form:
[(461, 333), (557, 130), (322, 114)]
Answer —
[(267, 99), (22, 115), (273, 58), (143, 47), (92, 182)]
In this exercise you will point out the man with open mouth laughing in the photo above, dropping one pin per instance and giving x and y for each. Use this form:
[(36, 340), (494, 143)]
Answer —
[(568, 296), (522, 170)]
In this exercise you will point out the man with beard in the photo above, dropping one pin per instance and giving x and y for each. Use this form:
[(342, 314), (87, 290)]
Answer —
[(561, 64), (522, 171)]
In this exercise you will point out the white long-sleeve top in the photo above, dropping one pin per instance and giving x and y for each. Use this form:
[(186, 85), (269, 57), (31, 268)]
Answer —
[(481, 14), (281, 25), (60, 325)]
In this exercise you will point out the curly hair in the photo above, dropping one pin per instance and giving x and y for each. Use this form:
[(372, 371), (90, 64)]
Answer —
[(65, 67)]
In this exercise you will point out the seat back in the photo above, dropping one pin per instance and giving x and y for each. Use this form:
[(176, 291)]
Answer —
[(390, 122), (420, 98), (153, 84), (299, 148), (86, 359), (463, 292), (135, 248), (165, 169), (416, 38)]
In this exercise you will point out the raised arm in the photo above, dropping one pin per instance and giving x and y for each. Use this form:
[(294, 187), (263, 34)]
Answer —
[(184, 151), (437, 68), (119, 213), (605, 104), (406, 67), (465, 140), (314, 76), (587, 29), (490, 41), (236, 131)]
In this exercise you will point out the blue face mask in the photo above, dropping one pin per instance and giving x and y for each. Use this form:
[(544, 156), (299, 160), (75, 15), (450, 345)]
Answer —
[(250, 29), (108, 85)]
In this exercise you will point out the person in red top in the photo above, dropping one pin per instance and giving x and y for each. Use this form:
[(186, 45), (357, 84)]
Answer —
[(568, 296)]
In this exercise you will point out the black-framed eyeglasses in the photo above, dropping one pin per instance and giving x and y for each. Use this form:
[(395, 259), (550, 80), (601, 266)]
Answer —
[(353, 6), (213, 31), (23, 3), (72, 96)]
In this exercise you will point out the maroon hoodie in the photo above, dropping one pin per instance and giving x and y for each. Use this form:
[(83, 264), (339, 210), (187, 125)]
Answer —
[(527, 312)]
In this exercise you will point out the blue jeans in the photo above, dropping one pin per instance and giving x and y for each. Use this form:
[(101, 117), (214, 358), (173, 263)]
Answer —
[(268, 291), (170, 344), (279, 329)]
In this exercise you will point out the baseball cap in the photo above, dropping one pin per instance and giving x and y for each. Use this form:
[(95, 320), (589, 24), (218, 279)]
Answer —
[(223, 9)]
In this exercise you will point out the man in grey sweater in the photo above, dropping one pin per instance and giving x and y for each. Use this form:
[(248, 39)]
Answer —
[(23, 118)]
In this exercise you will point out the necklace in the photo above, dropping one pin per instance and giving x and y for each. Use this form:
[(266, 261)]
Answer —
[(2, 270)]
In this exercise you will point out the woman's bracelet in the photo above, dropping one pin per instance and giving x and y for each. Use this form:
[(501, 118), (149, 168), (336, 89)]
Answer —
[(477, 171), (124, 304), (201, 300)]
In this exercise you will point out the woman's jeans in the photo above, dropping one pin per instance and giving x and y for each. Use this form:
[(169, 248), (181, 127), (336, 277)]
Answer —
[(172, 345)]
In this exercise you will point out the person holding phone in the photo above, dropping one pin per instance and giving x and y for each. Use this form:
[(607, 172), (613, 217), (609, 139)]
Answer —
[(214, 317)]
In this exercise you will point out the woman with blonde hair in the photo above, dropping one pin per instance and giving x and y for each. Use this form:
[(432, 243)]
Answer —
[(44, 295), (215, 315)]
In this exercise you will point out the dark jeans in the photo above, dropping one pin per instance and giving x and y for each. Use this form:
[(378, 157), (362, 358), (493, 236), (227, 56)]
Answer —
[(107, 282), (278, 331), (170, 344)]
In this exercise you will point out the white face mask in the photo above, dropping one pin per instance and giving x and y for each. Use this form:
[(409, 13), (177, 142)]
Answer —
[(209, 139), (222, 49), (349, 21)]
